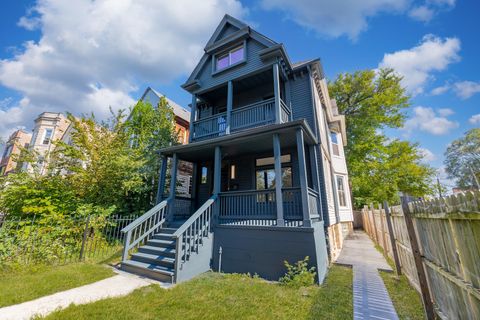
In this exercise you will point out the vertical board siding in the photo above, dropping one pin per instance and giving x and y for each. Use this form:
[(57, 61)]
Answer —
[(301, 98), (448, 233)]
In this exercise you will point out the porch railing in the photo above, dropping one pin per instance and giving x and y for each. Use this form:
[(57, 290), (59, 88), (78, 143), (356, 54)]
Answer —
[(313, 202), (210, 127), (190, 235), (259, 205), (253, 115), (139, 230), (250, 116)]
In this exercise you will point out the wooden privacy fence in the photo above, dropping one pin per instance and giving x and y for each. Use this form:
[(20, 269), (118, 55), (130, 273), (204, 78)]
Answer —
[(446, 232)]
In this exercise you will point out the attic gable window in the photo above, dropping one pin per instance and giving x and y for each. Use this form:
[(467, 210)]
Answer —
[(230, 58)]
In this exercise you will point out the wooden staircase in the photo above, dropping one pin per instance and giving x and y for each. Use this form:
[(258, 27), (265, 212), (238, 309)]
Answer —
[(156, 258), (165, 248)]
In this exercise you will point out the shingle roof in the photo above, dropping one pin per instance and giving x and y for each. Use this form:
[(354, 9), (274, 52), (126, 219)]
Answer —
[(179, 111)]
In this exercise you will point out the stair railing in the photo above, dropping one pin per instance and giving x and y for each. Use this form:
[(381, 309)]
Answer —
[(144, 226), (190, 235)]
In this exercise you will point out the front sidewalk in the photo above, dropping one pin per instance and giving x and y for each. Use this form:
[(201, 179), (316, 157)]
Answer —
[(370, 296), (119, 285)]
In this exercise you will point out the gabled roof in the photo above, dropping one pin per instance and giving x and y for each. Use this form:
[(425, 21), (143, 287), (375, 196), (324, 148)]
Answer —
[(178, 110), (217, 43)]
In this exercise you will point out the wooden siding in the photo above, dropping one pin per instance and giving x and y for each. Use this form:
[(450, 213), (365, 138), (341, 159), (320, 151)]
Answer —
[(253, 63), (301, 99)]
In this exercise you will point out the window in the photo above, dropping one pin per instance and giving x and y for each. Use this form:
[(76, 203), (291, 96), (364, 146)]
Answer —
[(335, 146), (47, 136), (265, 179), (233, 172), (203, 179), (230, 58), (342, 200), (8, 151)]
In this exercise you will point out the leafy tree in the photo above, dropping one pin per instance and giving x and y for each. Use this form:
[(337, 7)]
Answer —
[(378, 167), (462, 159)]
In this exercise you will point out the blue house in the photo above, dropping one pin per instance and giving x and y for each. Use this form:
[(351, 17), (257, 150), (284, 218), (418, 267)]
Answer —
[(269, 179)]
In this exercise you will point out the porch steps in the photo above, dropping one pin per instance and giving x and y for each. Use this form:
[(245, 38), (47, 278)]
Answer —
[(156, 258)]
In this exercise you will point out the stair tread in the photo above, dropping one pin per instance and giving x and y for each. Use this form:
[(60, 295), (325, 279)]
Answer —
[(149, 266), (153, 257), (158, 241), (160, 249)]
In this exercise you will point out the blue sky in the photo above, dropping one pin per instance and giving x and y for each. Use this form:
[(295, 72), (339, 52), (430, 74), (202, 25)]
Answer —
[(83, 56)]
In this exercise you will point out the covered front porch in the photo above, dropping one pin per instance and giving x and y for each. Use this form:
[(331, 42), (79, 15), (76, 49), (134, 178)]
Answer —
[(238, 175)]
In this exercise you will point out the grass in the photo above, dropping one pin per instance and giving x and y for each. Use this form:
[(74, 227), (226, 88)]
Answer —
[(226, 296), (406, 300), (28, 283)]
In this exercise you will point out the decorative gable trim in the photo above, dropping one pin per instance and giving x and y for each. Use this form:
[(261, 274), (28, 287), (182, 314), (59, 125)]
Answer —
[(227, 19), (225, 42)]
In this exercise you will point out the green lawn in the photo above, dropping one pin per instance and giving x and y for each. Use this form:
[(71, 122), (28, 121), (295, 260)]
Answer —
[(222, 296), (20, 285), (407, 300)]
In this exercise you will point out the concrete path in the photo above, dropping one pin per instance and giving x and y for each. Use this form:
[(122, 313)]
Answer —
[(370, 296), (119, 285)]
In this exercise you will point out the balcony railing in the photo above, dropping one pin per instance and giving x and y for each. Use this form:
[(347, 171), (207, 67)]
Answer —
[(313, 202), (253, 115), (259, 205)]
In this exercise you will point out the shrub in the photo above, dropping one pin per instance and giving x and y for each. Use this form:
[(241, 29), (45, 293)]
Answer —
[(298, 275)]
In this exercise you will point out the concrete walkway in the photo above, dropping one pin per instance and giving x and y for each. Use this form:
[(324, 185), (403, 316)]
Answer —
[(370, 297), (119, 285)]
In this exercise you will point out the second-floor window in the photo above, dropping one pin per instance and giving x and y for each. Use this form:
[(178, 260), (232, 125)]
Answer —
[(230, 58), (335, 146), (47, 136)]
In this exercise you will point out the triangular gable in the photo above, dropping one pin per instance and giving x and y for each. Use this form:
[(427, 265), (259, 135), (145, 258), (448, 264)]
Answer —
[(228, 22), (229, 27)]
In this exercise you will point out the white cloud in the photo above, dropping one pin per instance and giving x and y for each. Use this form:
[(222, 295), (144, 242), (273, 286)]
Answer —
[(475, 119), (445, 112), (335, 18), (449, 3), (466, 89), (440, 90), (417, 64), (421, 13), (428, 155), (91, 54), (428, 120)]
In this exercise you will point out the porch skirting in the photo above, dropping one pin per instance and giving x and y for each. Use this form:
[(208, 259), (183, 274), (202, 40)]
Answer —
[(263, 249)]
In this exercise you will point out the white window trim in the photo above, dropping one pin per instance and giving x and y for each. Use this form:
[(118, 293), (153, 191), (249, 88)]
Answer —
[(45, 135), (344, 190)]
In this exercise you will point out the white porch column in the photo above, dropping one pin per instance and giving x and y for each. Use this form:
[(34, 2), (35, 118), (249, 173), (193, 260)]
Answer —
[(303, 179), (173, 187), (161, 180), (276, 90), (193, 117), (278, 179), (229, 105)]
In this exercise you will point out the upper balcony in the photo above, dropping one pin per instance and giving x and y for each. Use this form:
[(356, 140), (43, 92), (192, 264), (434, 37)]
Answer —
[(239, 105)]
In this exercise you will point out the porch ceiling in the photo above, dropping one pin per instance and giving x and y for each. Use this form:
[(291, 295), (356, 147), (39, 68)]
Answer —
[(251, 141)]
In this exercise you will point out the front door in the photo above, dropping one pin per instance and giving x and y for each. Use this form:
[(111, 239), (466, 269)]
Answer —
[(205, 183)]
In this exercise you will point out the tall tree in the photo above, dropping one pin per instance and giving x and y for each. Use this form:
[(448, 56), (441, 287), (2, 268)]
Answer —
[(378, 167), (462, 159)]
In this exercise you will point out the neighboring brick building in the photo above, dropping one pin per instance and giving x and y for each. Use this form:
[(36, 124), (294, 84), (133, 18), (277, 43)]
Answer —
[(19, 138)]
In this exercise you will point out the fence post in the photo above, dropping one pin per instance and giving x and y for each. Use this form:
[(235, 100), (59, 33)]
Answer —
[(382, 226), (84, 239), (392, 238), (374, 223), (422, 278)]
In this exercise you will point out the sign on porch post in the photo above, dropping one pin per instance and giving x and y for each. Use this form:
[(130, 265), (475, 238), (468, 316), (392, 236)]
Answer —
[(303, 179), (278, 179), (161, 180), (173, 185)]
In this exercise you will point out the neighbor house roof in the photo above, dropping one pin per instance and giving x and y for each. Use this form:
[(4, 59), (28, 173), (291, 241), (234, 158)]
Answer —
[(178, 110)]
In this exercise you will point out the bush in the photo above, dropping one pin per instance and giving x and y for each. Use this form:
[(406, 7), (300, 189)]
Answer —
[(299, 275)]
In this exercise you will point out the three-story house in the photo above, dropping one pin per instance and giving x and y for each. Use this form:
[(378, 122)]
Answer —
[(269, 176)]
